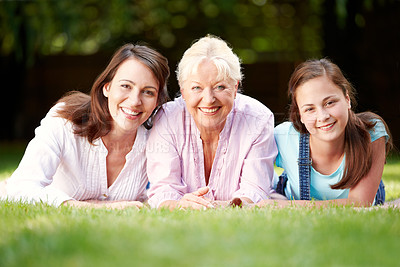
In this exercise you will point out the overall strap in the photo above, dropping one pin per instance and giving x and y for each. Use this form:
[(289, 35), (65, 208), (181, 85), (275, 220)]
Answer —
[(304, 163)]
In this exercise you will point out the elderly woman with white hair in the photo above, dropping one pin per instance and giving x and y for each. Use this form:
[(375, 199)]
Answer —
[(212, 145)]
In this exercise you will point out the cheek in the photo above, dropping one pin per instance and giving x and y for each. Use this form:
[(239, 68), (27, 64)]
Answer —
[(191, 100), (309, 122), (151, 104), (111, 107), (341, 113), (226, 98)]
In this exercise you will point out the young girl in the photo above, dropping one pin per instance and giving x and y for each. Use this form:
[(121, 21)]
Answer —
[(342, 154), (90, 150)]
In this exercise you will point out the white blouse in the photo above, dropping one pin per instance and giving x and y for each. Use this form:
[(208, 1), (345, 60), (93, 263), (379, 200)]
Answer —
[(59, 165)]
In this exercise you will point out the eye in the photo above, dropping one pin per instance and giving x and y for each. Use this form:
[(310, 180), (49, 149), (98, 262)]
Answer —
[(196, 88), (220, 87), (126, 86), (308, 109), (329, 103), (149, 92)]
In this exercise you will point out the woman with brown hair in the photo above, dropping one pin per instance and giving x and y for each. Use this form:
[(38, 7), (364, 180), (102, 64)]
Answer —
[(329, 153), (90, 150)]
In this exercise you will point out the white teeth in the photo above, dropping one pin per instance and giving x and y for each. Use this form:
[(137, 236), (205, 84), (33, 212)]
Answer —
[(209, 110), (326, 127), (130, 112)]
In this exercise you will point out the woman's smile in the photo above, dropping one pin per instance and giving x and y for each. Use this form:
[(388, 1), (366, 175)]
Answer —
[(131, 114), (327, 127), (210, 111)]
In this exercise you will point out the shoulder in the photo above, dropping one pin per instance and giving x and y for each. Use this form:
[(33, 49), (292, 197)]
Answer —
[(250, 106), (171, 116), (250, 116), (54, 129), (52, 117), (172, 108), (286, 136), (378, 131), (285, 129)]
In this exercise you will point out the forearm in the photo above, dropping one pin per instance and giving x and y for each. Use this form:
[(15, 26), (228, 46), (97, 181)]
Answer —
[(115, 204), (313, 203), (169, 204)]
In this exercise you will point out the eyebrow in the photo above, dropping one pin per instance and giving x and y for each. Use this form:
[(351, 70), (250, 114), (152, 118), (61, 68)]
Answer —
[(214, 83), (147, 86), (323, 100)]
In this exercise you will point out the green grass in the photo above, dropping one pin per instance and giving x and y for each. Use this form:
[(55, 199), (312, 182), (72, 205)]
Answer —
[(39, 235), (45, 236)]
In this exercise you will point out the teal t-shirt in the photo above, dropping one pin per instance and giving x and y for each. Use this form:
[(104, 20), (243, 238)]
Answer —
[(287, 140)]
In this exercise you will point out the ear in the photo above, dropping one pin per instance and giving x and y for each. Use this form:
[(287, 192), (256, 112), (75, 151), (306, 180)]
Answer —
[(106, 89), (348, 100), (182, 90), (237, 87)]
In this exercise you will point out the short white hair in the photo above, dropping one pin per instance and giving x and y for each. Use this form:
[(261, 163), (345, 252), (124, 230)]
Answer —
[(217, 51)]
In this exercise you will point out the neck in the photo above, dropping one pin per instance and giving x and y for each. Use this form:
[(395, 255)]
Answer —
[(209, 137), (325, 149), (118, 141)]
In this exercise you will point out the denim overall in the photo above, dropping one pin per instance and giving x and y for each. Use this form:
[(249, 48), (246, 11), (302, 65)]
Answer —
[(304, 163)]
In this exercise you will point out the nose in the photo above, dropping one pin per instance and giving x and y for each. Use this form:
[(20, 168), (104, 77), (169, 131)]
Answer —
[(322, 115), (208, 96), (135, 98)]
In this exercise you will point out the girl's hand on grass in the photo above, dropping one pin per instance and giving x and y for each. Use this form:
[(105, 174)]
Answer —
[(195, 200)]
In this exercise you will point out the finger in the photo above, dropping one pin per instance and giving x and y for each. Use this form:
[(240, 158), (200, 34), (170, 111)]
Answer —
[(184, 205), (198, 200), (138, 204), (201, 191)]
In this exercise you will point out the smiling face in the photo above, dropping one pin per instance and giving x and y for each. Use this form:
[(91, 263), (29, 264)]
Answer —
[(208, 99), (324, 109), (132, 96)]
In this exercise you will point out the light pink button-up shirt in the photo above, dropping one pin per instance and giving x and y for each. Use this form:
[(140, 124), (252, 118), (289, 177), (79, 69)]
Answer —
[(243, 163)]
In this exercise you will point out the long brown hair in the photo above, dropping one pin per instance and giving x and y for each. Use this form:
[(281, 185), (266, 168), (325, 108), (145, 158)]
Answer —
[(357, 138), (90, 114)]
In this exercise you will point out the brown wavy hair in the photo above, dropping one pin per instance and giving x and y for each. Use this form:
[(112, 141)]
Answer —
[(357, 138), (90, 114)]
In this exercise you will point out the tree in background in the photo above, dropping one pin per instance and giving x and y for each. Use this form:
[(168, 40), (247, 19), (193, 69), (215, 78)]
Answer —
[(362, 36)]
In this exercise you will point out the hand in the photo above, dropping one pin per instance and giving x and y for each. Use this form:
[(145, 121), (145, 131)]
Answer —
[(119, 205), (98, 204), (195, 200)]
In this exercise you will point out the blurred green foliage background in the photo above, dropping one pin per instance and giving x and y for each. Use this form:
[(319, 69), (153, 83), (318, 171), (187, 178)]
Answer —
[(49, 47), (258, 29)]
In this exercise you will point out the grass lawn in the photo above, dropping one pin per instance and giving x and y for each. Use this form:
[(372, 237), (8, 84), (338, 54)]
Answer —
[(39, 235)]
